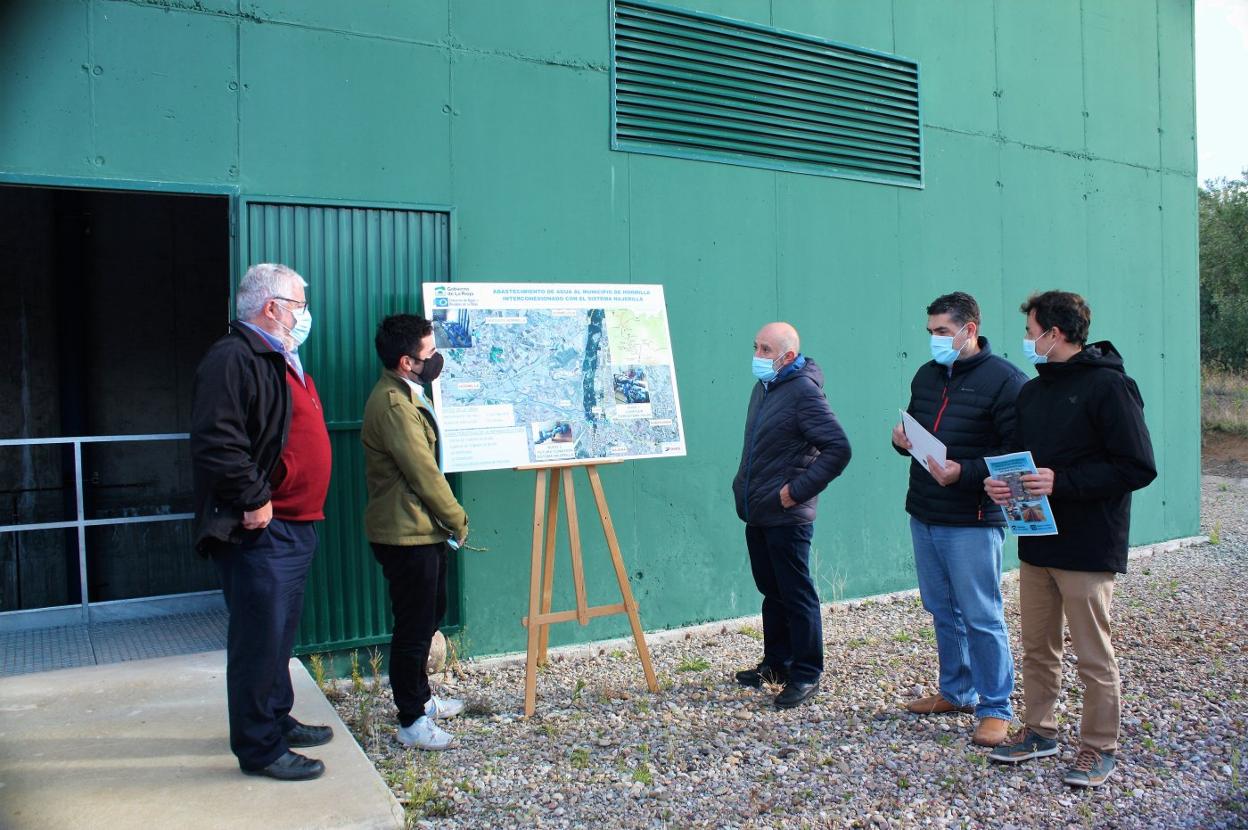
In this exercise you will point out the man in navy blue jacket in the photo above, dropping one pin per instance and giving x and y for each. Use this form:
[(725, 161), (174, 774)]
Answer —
[(965, 397), (793, 448)]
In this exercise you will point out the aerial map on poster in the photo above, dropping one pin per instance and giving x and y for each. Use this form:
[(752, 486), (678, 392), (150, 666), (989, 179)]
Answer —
[(549, 373)]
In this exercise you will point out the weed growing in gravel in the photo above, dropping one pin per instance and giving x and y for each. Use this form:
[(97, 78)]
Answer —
[(693, 664), (579, 758), (617, 654), (976, 759), (374, 665), (1215, 535), (317, 662), (944, 739), (927, 635), (578, 689), (751, 632), (643, 774), (357, 679), (903, 637), (421, 797)]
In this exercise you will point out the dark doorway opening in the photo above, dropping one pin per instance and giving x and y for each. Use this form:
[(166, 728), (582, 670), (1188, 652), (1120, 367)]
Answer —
[(110, 299)]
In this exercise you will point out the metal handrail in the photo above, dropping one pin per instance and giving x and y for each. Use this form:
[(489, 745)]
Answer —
[(82, 522)]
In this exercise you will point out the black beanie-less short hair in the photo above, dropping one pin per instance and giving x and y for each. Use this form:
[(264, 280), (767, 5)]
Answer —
[(1061, 309), (398, 335)]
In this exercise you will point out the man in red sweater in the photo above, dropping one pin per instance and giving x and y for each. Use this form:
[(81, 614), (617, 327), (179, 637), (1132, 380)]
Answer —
[(261, 463)]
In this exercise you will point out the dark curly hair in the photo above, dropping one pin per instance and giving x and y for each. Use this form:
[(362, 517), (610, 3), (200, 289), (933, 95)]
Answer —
[(398, 335), (1063, 310)]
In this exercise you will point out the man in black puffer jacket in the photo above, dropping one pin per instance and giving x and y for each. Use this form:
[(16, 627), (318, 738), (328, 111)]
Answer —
[(965, 397), (793, 448), (1083, 421)]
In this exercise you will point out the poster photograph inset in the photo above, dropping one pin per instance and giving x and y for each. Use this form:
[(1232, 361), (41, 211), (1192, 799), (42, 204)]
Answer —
[(539, 373)]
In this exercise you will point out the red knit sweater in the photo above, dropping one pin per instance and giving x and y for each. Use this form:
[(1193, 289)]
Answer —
[(302, 478)]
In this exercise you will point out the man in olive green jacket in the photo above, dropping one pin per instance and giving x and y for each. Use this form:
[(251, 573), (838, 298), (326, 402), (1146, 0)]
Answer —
[(411, 517)]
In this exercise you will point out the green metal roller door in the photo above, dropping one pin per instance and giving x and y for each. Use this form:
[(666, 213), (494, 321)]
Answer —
[(361, 262)]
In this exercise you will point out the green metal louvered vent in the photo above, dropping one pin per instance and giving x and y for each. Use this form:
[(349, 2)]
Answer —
[(697, 86)]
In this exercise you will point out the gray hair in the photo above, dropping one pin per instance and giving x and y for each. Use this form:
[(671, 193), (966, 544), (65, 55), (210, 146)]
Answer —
[(261, 283)]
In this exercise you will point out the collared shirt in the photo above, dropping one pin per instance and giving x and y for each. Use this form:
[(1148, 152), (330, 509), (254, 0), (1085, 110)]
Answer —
[(420, 393), (278, 346)]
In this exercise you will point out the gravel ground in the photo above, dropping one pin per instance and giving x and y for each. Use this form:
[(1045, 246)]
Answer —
[(704, 753)]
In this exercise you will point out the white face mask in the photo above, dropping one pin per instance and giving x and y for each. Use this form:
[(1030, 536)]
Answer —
[(303, 325), (943, 351), (1029, 351)]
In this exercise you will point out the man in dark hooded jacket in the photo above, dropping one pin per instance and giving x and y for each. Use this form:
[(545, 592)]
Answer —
[(1083, 421), (793, 448)]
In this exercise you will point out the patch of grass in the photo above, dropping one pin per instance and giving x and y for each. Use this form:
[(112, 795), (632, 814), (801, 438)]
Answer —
[(1224, 401), (421, 798), (927, 635), (693, 664), (751, 632), (643, 774), (578, 689), (1215, 535), (617, 654), (903, 637), (944, 739), (579, 759), (976, 759)]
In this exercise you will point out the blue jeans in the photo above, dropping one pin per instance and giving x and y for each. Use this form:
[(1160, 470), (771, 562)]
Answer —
[(959, 572)]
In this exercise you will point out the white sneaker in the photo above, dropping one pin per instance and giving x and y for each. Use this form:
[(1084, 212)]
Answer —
[(443, 708), (425, 734)]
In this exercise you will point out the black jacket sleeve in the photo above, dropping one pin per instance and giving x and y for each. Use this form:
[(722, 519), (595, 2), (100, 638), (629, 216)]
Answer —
[(220, 447), (1005, 422), (1118, 417), (820, 428)]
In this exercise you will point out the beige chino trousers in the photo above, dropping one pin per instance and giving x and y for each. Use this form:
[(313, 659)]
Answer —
[(1045, 595)]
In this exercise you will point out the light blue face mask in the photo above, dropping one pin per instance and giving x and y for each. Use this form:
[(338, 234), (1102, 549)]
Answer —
[(943, 351), (1029, 350), (764, 369)]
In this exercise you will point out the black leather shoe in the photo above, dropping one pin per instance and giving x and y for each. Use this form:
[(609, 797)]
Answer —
[(304, 735), (795, 694), (291, 767), (754, 678)]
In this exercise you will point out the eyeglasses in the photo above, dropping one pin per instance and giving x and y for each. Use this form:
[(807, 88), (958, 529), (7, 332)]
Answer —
[(301, 304)]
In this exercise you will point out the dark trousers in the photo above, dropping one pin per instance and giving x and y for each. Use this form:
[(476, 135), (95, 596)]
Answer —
[(792, 627), (417, 578), (263, 580)]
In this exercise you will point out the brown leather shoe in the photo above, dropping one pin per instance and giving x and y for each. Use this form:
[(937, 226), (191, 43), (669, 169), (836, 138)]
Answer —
[(936, 705), (991, 731)]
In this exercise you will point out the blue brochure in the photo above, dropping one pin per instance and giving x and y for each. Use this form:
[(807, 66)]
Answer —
[(1025, 514)]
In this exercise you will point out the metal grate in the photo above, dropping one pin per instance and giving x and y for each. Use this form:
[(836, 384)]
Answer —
[(67, 647), (697, 86)]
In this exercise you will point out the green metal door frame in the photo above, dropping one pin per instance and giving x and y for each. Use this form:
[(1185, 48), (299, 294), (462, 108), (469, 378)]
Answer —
[(244, 248)]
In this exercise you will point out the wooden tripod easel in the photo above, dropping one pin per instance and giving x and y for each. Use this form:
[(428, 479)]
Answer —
[(541, 580)]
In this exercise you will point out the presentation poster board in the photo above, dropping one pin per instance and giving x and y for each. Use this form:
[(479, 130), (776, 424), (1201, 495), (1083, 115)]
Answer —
[(541, 373)]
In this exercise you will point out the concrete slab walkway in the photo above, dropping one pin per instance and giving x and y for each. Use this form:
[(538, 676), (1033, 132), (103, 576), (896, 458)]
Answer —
[(145, 744)]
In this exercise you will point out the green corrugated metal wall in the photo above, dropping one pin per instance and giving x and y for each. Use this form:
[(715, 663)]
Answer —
[(361, 263), (1058, 151)]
